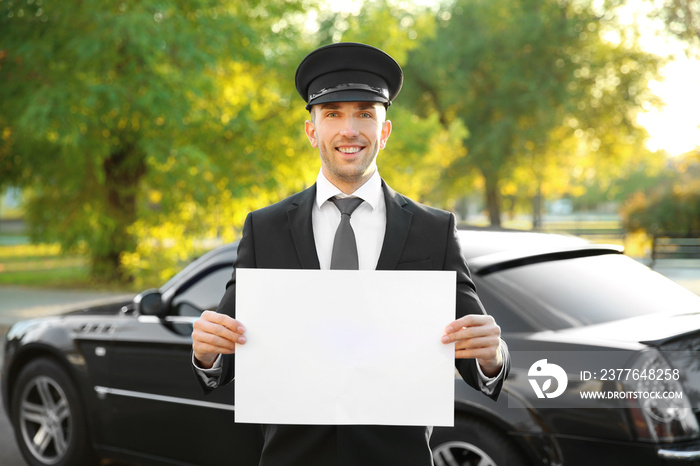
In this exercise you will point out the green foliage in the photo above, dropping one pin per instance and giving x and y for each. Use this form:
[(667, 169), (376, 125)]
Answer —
[(144, 132), (676, 210), (671, 207), (596, 182), (682, 18), (131, 113), (418, 153), (524, 77), (386, 24)]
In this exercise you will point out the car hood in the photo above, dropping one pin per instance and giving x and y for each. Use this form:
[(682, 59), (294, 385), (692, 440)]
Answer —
[(106, 307)]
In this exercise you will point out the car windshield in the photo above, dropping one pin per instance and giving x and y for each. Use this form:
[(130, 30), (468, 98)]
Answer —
[(590, 290)]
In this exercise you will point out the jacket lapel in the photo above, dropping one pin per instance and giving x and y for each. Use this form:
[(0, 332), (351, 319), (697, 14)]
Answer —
[(299, 217), (398, 221)]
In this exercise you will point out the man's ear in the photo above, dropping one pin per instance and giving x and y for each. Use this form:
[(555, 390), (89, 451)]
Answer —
[(386, 132), (310, 129)]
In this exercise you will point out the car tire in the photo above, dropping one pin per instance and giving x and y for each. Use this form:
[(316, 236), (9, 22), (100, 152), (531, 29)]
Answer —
[(47, 417), (472, 442)]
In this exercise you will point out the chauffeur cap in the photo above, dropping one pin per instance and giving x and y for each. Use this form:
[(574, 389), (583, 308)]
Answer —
[(348, 72)]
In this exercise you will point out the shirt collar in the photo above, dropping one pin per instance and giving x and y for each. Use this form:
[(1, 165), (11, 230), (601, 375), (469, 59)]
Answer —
[(370, 192)]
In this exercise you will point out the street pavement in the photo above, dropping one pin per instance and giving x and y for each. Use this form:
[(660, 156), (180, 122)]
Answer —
[(9, 453), (19, 303)]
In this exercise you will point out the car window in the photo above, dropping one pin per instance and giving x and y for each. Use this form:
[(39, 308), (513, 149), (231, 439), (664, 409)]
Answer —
[(505, 314), (590, 290), (204, 293)]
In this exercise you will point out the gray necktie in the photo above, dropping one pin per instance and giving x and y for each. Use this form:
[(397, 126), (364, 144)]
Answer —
[(344, 255)]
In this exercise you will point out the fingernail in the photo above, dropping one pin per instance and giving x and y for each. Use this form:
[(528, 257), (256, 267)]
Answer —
[(241, 340), (445, 339), (449, 330)]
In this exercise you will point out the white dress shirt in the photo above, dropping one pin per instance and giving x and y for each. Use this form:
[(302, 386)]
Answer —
[(368, 221)]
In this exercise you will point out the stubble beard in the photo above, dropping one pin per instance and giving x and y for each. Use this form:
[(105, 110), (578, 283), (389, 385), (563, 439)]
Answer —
[(350, 173)]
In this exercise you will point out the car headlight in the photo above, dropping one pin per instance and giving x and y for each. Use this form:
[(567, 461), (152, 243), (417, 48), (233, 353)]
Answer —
[(660, 409)]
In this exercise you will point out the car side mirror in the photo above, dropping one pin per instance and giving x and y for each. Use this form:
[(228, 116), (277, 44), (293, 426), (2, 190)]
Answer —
[(149, 303), (187, 309)]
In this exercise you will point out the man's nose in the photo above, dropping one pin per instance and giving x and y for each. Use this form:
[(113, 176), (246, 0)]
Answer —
[(349, 127)]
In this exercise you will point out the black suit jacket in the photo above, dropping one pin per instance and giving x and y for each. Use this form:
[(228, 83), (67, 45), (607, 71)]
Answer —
[(417, 238)]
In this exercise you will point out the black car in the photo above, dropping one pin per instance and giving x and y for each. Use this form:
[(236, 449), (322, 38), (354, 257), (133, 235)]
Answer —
[(605, 368)]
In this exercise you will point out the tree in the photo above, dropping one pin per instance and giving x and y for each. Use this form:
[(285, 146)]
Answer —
[(116, 112), (682, 19), (516, 74)]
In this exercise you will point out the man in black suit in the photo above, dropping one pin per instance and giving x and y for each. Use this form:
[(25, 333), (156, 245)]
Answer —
[(348, 88)]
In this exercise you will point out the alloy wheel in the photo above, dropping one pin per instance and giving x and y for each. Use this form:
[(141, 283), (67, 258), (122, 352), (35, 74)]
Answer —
[(45, 419), (461, 454)]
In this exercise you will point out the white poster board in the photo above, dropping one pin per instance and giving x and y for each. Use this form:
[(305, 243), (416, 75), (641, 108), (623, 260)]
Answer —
[(345, 347)]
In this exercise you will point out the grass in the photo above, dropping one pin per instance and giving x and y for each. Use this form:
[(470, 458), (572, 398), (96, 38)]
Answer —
[(43, 265)]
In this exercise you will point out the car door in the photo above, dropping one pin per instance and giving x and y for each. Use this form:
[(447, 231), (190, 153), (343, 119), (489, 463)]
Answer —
[(158, 408)]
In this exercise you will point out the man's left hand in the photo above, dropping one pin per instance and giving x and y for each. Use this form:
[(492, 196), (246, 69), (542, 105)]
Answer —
[(477, 336)]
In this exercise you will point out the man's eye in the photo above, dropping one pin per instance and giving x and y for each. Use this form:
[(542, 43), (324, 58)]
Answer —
[(331, 114), (366, 115)]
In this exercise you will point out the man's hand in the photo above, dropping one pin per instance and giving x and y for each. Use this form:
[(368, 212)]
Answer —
[(213, 334), (477, 336)]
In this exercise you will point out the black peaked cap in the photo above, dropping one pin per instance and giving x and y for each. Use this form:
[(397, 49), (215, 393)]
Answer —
[(348, 72)]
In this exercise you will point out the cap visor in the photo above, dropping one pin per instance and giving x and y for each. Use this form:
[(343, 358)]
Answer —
[(348, 96)]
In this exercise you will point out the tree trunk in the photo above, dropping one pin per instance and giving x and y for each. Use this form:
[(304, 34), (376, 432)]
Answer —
[(493, 198), (537, 208), (123, 171)]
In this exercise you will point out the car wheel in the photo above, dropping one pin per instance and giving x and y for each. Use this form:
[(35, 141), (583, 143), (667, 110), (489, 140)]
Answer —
[(473, 442), (48, 418)]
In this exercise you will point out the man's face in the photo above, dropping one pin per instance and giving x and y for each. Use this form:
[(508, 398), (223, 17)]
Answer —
[(348, 136)]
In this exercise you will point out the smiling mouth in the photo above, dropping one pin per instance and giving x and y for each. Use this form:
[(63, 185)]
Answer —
[(349, 150)]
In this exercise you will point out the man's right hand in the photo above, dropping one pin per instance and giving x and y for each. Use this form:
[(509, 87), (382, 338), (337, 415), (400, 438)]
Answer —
[(213, 334)]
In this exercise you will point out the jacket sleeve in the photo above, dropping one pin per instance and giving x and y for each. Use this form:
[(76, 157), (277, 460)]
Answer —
[(245, 259), (468, 302)]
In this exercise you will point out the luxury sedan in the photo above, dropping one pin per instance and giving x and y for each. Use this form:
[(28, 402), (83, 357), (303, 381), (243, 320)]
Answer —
[(605, 368)]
